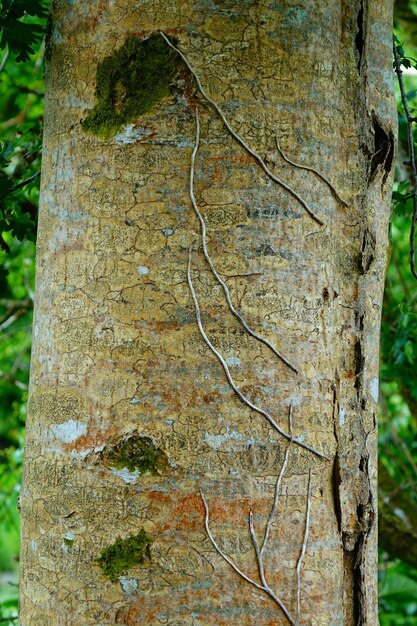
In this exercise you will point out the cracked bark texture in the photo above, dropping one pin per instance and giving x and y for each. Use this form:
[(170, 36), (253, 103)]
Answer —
[(117, 354)]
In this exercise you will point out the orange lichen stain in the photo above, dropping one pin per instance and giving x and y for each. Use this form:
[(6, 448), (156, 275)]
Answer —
[(235, 511), (84, 442), (161, 326), (129, 617), (92, 439), (208, 398), (188, 511), (240, 159), (159, 496), (185, 511), (218, 170)]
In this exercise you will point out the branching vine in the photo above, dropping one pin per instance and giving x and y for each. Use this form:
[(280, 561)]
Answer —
[(233, 310), (229, 377), (240, 140), (260, 548), (226, 369), (310, 169), (410, 120)]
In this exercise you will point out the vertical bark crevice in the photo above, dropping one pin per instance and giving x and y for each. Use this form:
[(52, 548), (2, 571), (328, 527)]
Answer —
[(360, 35), (382, 156)]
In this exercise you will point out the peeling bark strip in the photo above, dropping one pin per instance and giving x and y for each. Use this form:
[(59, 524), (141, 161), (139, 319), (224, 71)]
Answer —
[(131, 417)]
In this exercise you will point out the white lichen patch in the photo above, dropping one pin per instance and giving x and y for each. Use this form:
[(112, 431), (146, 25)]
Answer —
[(130, 134), (80, 455), (342, 417), (233, 360), (374, 389), (125, 475), (129, 585), (68, 431), (142, 270), (217, 441)]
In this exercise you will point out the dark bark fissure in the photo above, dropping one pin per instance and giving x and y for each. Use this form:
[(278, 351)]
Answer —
[(337, 480), (367, 253), (383, 152), (360, 36), (365, 510)]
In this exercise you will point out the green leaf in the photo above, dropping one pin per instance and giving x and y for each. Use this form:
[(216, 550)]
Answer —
[(20, 37), (3, 279), (23, 228), (5, 184), (403, 185), (399, 588), (409, 352)]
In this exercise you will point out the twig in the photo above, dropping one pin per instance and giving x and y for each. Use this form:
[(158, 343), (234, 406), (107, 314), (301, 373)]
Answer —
[(412, 159), (14, 313), (12, 318), (304, 546), (210, 262), (311, 169), (25, 182), (228, 560), (14, 381), (14, 308), (239, 139), (236, 389), (4, 60)]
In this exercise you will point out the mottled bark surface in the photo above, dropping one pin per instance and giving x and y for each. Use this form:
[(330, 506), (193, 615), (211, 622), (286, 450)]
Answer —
[(131, 414)]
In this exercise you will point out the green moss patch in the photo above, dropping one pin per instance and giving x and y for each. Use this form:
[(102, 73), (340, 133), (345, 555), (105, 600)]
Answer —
[(136, 453), (130, 83), (124, 554)]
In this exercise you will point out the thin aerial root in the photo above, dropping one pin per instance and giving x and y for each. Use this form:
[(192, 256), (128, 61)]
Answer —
[(222, 554), (264, 587), (232, 383), (314, 171), (239, 139), (216, 275), (304, 546), (278, 486)]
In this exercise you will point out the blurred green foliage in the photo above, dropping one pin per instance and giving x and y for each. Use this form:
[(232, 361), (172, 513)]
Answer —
[(22, 24), (398, 396), (22, 28)]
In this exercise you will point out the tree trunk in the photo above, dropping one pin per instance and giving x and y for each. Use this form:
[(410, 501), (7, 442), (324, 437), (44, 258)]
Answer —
[(159, 446)]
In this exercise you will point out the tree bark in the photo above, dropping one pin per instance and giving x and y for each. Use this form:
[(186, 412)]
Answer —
[(148, 479)]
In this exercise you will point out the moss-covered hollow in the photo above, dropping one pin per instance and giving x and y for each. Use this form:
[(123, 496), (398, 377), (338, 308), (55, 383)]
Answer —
[(130, 82), (136, 453), (124, 554)]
